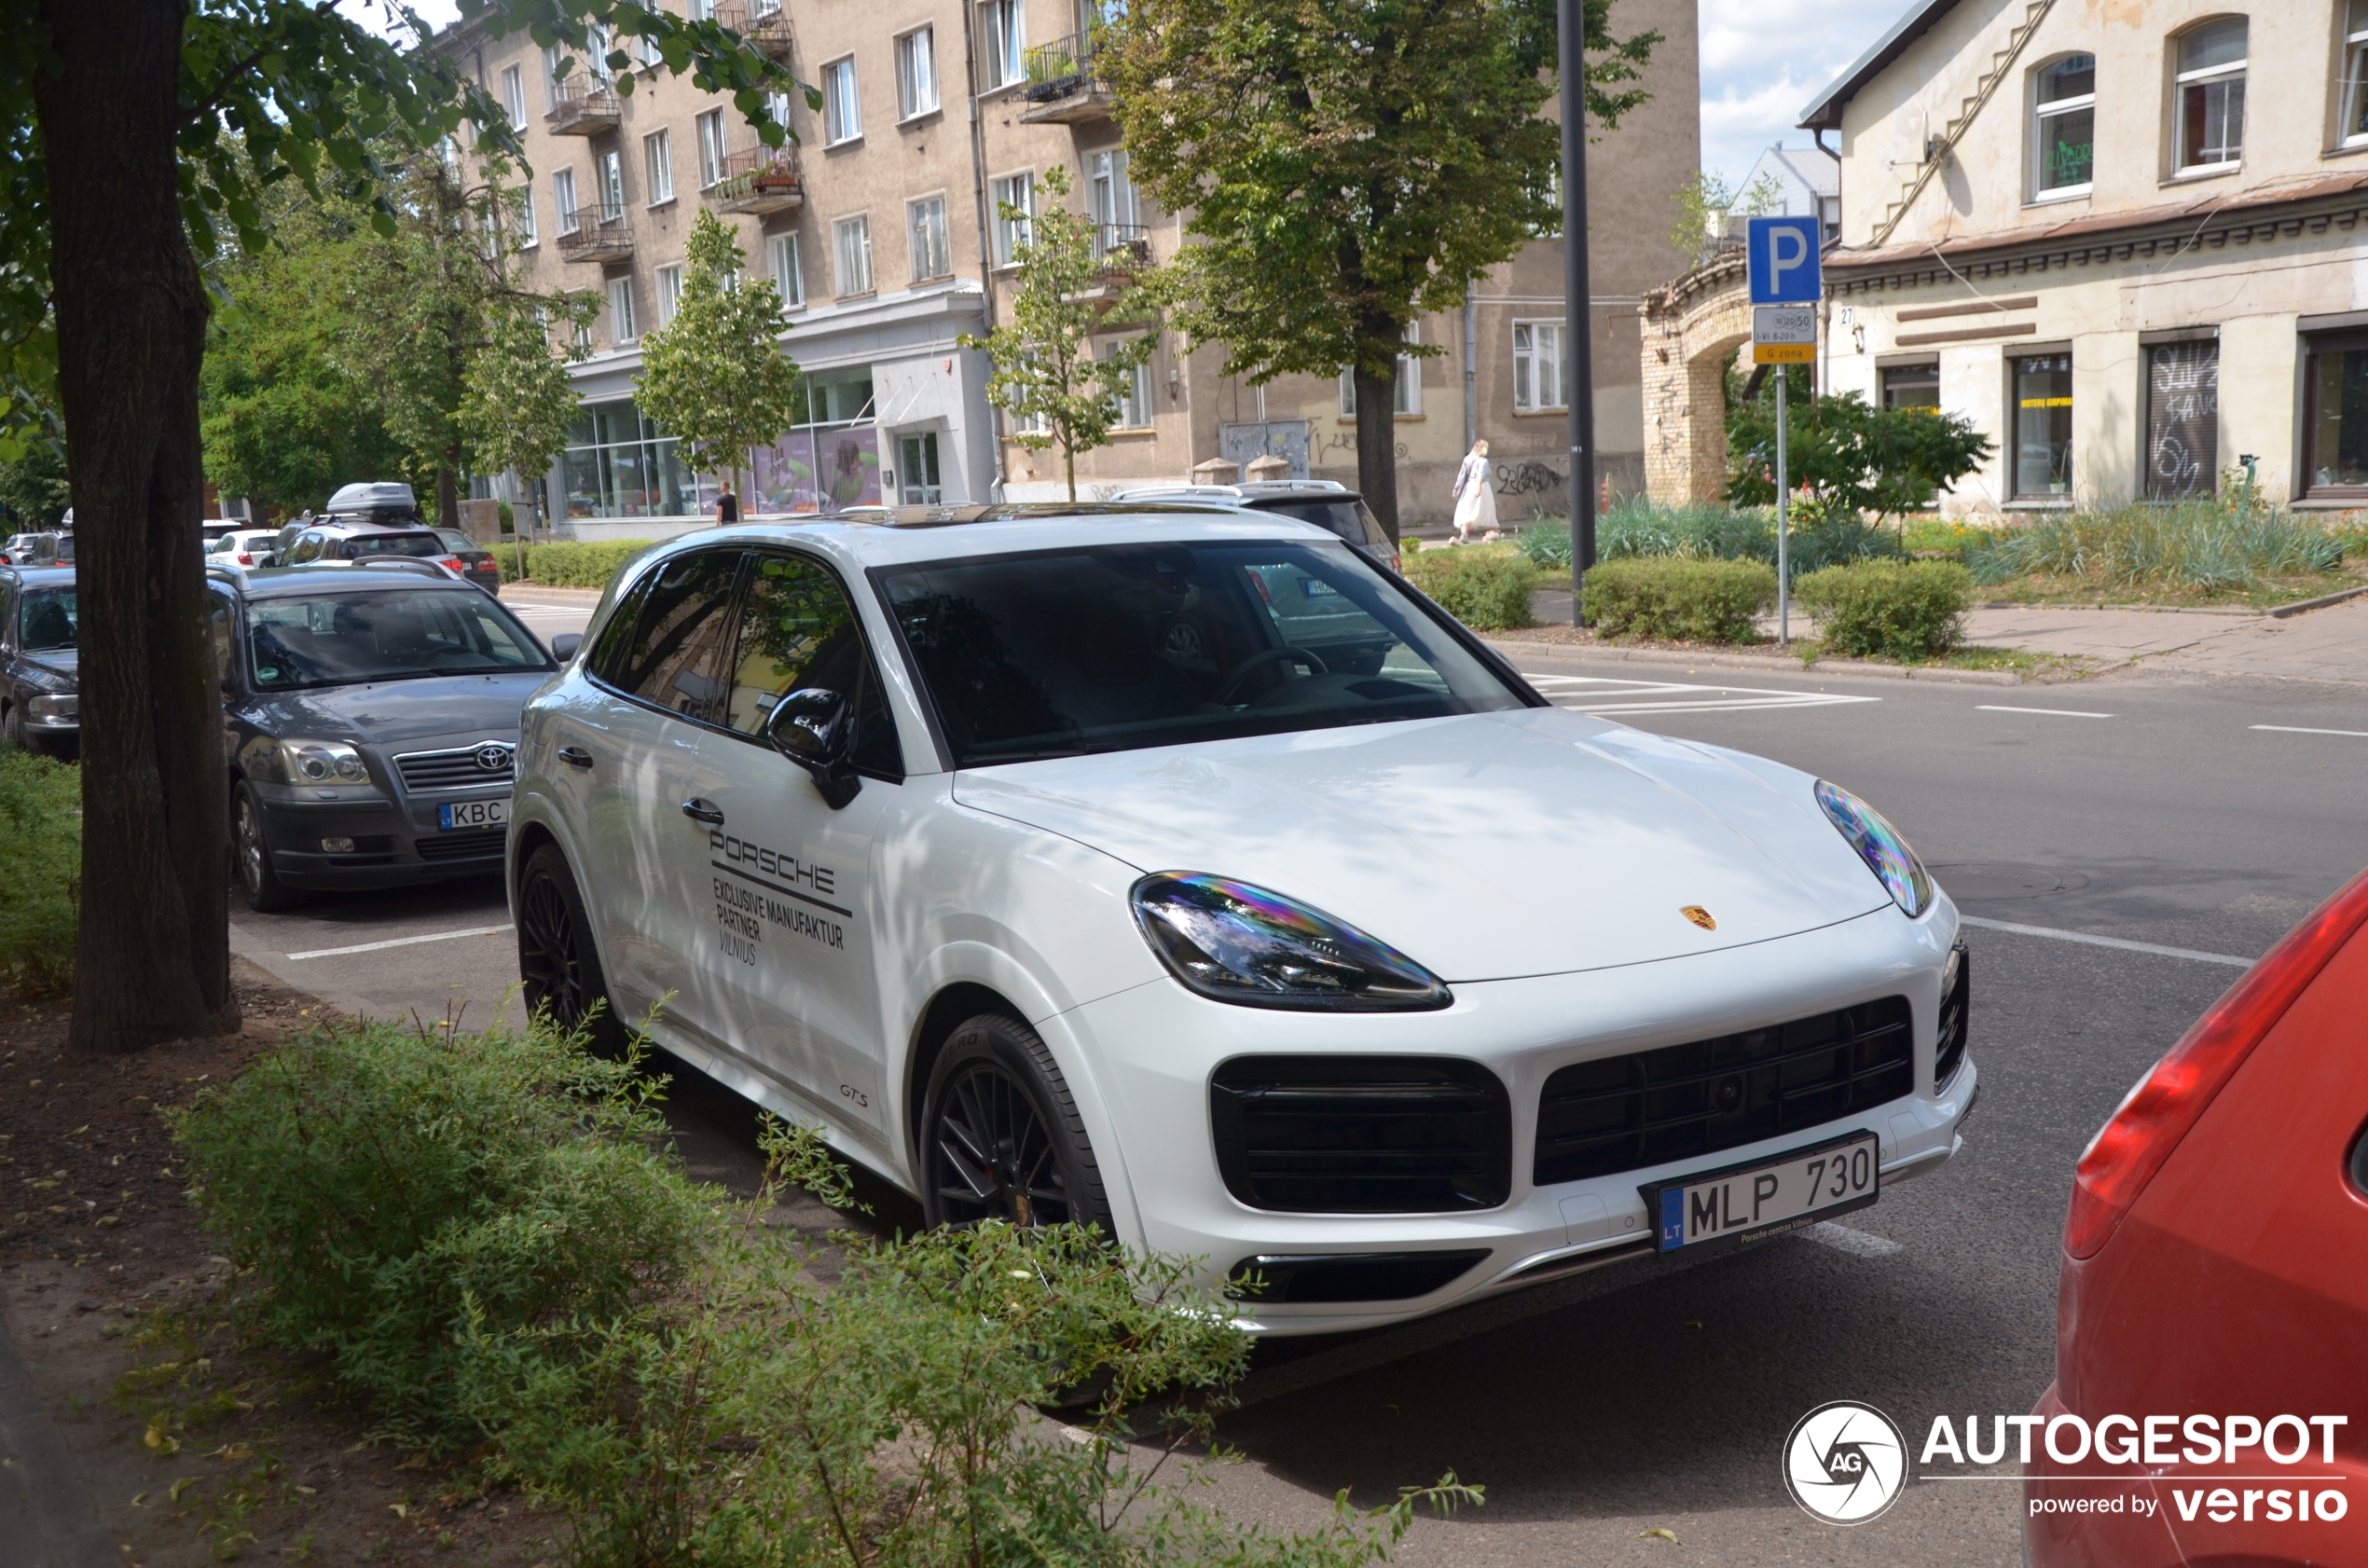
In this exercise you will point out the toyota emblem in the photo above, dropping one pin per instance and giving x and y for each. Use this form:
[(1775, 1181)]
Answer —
[(493, 757)]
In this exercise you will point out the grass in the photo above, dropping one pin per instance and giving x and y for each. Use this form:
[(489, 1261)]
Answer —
[(2196, 551), (40, 900)]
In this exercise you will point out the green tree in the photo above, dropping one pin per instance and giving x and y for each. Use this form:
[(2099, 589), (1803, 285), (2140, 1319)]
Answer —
[(1348, 168), (518, 400), (715, 375), (1707, 201), (1048, 374), (34, 488), (1849, 454), (135, 136)]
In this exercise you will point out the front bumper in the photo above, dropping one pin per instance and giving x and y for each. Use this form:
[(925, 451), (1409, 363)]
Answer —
[(396, 844), (1156, 1048)]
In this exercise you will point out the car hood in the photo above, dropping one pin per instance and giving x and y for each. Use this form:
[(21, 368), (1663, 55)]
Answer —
[(58, 664), (390, 712), (1486, 846)]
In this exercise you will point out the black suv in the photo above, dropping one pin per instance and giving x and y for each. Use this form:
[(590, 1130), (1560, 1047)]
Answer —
[(1333, 507), (39, 707), (333, 541), (372, 716)]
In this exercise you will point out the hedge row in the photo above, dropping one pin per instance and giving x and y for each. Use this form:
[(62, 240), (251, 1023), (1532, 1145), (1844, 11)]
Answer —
[(569, 565), (1903, 610), (1670, 599), (1486, 588)]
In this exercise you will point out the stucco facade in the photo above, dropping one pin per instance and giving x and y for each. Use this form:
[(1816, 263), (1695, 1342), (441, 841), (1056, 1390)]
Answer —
[(897, 392)]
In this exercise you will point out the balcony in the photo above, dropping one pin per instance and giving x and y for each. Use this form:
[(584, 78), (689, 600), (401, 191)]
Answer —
[(757, 179), (1124, 249), (1062, 86), (580, 105), (595, 234), (765, 23)]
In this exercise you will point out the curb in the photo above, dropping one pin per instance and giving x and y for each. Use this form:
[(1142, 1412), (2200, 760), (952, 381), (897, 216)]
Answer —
[(2301, 606), (2169, 608), (1766, 665), (530, 593)]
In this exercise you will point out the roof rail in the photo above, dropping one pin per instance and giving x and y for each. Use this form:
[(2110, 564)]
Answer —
[(1264, 485), (1212, 492), (399, 563)]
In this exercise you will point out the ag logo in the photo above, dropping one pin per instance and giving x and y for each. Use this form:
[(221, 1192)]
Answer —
[(1845, 1463)]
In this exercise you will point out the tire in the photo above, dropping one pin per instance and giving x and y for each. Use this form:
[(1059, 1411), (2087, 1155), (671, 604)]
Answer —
[(1000, 1136), (12, 738), (558, 962), (250, 856)]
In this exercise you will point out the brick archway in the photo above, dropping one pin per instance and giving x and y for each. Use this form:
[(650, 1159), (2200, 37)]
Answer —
[(1689, 328)]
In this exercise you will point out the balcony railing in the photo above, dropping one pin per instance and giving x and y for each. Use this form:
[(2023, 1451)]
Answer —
[(765, 23), (1063, 83), (596, 233), (757, 179), (1124, 249), (580, 105)]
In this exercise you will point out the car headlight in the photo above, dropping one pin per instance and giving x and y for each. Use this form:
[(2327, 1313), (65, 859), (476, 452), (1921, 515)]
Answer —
[(321, 761), (60, 708), (1236, 943), (1881, 847)]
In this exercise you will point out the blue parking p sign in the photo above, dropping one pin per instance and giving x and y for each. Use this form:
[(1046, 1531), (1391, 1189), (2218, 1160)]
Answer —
[(1783, 253)]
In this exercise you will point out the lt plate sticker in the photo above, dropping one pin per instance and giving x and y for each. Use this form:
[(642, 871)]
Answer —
[(1768, 1197)]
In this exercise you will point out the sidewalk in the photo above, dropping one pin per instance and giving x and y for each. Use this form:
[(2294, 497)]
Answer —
[(2330, 644)]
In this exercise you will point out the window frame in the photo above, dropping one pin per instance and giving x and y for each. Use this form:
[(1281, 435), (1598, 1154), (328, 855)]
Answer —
[(915, 210), (657, 159), (513, 95), (620, 305), (530, 233), (859, 224), (708, 131), (2044, 110), (668, 280), (1003, 33), (563, 199), (553, 56), (842, 102), (1007, 234), (2315, 345), (776, 247), (2012, 444), (917, 47), (2352, 62), (1525, 365), (2182, 166), (1137, 401), (608, 170)]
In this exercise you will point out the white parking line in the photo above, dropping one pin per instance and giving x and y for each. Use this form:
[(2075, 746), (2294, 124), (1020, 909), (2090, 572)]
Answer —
[(2051, 712), (2127, 945), (2297, 729), (399, 942), (1616, 697)]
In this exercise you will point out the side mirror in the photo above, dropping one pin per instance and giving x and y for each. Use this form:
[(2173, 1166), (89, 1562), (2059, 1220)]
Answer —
[(563, 646), (814, 728)]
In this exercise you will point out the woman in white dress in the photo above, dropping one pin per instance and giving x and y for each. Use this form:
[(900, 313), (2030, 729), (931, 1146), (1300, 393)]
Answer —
[(1475, 499)]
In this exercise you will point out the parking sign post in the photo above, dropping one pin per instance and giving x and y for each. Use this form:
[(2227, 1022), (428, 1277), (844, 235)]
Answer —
[(1786, 284)]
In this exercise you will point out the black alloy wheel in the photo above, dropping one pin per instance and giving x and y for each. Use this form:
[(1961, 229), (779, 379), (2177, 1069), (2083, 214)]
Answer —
[(259, 883), (558, 963), (1001, 1138)]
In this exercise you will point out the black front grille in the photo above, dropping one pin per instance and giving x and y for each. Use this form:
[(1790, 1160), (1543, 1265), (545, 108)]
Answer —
[(1956, 1005), (1362, 1135), (1624, 1113), (456, 769), (462, 846)]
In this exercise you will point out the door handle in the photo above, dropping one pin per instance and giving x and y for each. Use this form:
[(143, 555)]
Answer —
[(575, 756), (699, 810)]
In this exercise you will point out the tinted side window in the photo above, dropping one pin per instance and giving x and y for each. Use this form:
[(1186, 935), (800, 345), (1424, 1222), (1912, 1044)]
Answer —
[(307, 547), (225, 642), (675, 657), (797, 629), (8, 610)]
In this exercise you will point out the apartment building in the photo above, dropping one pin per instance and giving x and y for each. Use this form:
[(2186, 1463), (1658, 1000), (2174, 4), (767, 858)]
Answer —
[(882, 225)]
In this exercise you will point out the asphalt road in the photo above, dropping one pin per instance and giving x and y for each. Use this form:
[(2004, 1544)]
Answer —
[(2144, 810)]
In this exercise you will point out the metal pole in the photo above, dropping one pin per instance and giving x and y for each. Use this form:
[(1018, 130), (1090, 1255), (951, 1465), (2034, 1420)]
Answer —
[(1578, 337), (1783, 504)]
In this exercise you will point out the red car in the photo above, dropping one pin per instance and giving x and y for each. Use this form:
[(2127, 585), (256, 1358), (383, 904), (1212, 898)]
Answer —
[(2214, 1295)]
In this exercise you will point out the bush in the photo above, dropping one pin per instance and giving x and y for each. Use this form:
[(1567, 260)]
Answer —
[(1905, 611), (1679, 600), (1481, 586), (1818, 537), (1546, 542), (571, 564), (41, 896), (2207, 544)]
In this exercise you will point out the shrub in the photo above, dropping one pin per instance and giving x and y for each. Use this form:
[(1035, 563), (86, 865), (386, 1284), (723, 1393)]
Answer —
[(1818, 536), (1546, 541), (1893, 610), (1481, 586), (571, 564), (2207, 544), (41, 896), (1679, 600)]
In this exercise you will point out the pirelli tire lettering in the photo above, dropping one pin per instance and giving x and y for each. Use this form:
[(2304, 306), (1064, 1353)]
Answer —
[(743, 913)]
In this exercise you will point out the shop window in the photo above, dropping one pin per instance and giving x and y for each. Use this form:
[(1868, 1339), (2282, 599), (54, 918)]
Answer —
[(1912, 386), (2042, 427), (2182, 420), (2335, 416), (917, 470), (2064, 127), (2211, 104)]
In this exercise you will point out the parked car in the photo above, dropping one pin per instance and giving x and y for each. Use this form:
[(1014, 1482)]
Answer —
[(1182, 871), (371, 711), (40, 706), (29, 549), (333, 541), (477, 562), (245, 547), (2211, 1277), (1334, 508)]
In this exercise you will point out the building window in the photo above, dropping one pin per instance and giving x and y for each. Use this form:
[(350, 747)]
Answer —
[(2064, 127), (2354, 130), (563, 200), (657, 154), (917, 470), (1131, 408), (2182, 420), (1538, 366), (842, 115), (2335, 416), (1109, 203), (554, 57), (1407, 400), (2043, 425), (1912, 386), (916, 73), (2211, 96), (522, 208), (709, 127), (621, 329), (1014, 216), (669, 280), (852, 238), (788, 280), (932, 256), (514, 96), (776, 109), (1002, 43), (612, 186)]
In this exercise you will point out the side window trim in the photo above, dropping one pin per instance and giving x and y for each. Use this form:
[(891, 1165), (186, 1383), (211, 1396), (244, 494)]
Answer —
[(749, 572), (636, 596)]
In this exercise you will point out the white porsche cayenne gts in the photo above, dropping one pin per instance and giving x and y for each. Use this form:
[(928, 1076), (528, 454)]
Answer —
[(1187, 875)]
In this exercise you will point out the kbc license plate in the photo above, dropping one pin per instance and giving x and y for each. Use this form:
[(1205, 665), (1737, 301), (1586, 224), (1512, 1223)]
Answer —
[(1765, 1196), (472, 814)]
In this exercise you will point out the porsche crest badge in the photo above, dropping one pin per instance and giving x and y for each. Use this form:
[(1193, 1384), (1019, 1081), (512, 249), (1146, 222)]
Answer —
[(1700, 916)]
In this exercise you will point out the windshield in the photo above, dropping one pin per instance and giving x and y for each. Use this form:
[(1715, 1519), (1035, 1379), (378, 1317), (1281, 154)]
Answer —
[(340, 640), (1350, 519), (1120, 646), (393, 545), (48, 619)]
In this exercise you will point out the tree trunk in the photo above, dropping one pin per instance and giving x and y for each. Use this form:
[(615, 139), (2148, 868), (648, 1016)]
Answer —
[(1377, 444), (447, 495), (153, 962)]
